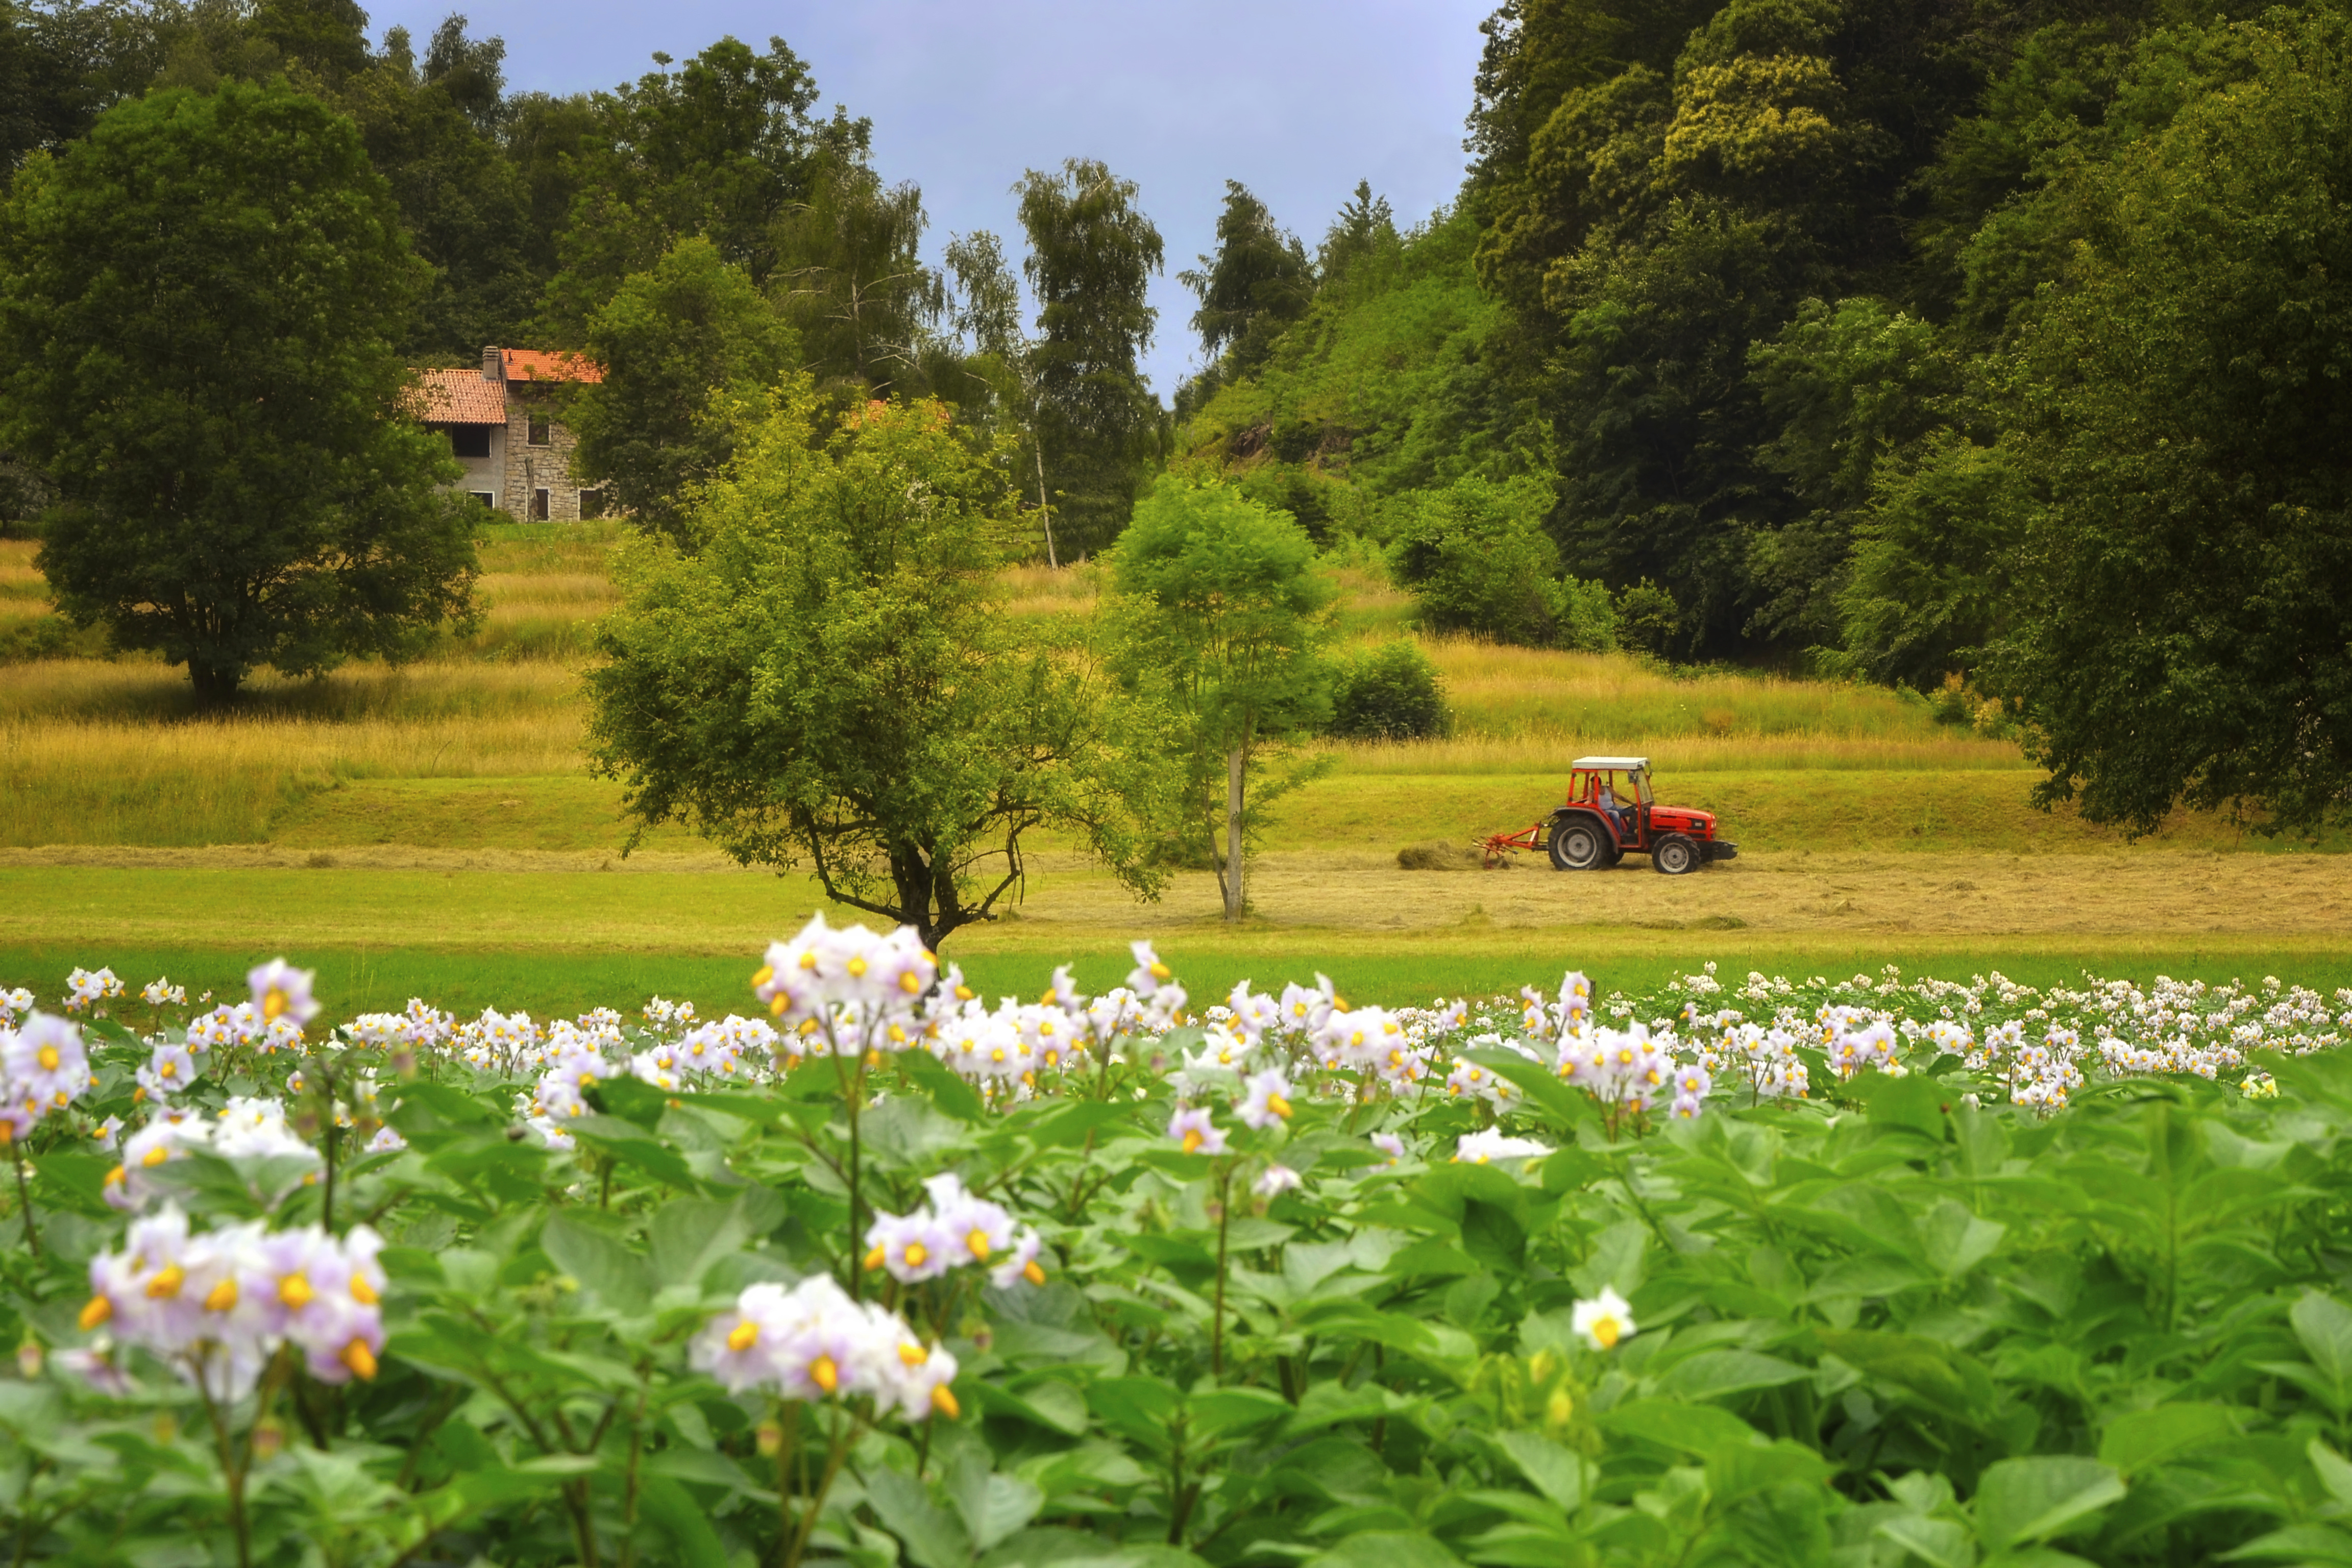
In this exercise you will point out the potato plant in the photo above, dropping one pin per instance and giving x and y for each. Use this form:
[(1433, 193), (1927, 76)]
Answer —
[(1872, 1274)]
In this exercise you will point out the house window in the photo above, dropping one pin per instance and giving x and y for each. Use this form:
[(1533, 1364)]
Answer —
[(539, 505), (470, 440), (591, 505), (538, 435), (486, 500)]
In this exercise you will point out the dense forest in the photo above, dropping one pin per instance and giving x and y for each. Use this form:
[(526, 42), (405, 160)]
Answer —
[(1998, 345)]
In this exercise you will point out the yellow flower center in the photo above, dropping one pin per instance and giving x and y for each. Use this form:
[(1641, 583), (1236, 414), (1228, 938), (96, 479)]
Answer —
[(1191, 1139), (223, 1297), (913, 1354), (362, 1292), (743, 1336), (1031, 1272), (857, 969), (1278, 1105), (98, 1311), (360, 1360), (825, 1375), (294, 1291), (909, 984), (49, 1059), (166, 1283), (978, 1242), (155, 1156), (273, 1005), (916, 1253), (1605, 1331), (945, 1402)]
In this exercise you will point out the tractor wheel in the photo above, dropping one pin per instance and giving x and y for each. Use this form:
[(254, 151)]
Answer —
[(1578, 844), (1674, 855)]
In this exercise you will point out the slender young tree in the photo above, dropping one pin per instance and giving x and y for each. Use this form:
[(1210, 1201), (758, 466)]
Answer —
[(1092, 254), (1226, 608), (987, 315), (198, 310), (853, 282)]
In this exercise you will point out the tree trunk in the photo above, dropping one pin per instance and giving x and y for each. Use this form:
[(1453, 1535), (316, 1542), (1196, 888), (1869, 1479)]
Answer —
[(1044, 512), (216, 684), (1234, 903)]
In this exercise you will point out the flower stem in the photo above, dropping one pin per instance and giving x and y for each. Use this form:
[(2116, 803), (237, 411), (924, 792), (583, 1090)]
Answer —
[(840, 1450), (788, 1448), (232, 1473), (24, 1196), (1224, 1218)]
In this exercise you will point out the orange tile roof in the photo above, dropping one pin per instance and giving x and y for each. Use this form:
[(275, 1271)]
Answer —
[(534, 364), (459, 397)]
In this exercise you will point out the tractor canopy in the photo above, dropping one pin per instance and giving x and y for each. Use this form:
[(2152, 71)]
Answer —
[(1586, 774)]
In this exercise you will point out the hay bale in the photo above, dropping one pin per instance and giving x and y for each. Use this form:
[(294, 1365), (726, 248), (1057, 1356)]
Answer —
[(1436, 856)]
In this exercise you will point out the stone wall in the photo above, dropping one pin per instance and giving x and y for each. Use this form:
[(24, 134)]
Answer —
[(530, 467)]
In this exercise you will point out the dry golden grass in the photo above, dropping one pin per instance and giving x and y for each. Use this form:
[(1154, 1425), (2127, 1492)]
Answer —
[(1506, 694), (1551, 753), (96, 753), (24, 592), (1050, 591)]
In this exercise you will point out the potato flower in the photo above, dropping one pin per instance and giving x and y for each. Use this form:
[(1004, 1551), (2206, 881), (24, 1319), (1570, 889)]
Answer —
[(220, 1305), (1269, 1100), (45, 1063), (812, 1343), (1193, 1128), (1603, 1320), (1277, 1180), (282, 991), (1490, 1144)]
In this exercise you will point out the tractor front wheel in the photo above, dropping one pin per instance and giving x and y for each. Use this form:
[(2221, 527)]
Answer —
[(1674, 855), (1577, 844)]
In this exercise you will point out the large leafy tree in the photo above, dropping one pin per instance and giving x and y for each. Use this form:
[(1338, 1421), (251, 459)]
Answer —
[(2184, 633), (826, 683), (1661, 188), (1225, 612), (431, 130), (197, 308), (722, 147), (683, 347), (1092, 254)]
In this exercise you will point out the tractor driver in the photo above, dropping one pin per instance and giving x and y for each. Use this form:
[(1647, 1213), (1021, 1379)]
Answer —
[(1616, 812)]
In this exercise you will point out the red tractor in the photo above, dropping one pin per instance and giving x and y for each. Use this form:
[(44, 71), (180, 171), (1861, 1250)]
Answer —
[(1600, 824)]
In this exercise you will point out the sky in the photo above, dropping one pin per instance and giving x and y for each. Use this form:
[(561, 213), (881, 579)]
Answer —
[(1298, 99)]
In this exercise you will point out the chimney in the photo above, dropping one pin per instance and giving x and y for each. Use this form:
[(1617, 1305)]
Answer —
[(494, 363)]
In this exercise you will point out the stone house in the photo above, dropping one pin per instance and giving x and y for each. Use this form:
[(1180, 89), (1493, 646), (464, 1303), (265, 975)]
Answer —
[(501, 428)]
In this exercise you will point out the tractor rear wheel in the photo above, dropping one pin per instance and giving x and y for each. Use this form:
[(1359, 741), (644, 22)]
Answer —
[(1579, 845), (1674, 855)]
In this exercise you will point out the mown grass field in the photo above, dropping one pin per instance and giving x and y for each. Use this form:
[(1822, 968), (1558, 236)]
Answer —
[(434, 830)]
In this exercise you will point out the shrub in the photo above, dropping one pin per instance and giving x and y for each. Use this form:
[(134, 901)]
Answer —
[(1391, 693), (1648, 619), (1476, 556)]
